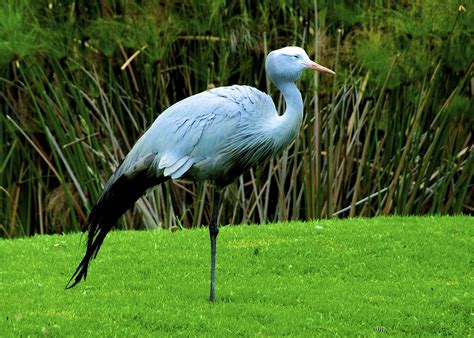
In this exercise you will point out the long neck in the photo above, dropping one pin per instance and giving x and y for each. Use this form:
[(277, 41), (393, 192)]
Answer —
[(294, 103), (290, 122)]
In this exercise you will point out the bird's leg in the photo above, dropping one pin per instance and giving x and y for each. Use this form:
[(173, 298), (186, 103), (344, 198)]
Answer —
[(213, 232)]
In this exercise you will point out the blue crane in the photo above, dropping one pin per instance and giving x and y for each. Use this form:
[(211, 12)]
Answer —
[(214, 135)]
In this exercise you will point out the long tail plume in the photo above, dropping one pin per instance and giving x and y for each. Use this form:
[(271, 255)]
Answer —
[(118, 196)]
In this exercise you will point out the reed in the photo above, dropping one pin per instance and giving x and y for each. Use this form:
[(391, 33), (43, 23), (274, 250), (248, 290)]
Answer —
[(389, 134)]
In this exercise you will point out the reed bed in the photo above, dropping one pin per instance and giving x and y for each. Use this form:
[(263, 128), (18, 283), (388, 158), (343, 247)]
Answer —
[(391, 133)]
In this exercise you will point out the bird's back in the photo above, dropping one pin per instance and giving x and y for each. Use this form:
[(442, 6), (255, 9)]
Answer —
[(215, 135)]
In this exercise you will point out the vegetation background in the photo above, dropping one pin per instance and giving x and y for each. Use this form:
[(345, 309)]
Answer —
[(391, 133)]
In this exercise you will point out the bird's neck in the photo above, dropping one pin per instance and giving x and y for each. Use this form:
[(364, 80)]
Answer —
[(293, 100), (290, 121)]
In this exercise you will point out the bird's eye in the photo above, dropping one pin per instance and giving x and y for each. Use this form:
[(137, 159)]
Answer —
[(296, 57)]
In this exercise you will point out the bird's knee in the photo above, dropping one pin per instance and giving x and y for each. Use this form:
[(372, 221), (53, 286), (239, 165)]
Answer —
[(213, 231)]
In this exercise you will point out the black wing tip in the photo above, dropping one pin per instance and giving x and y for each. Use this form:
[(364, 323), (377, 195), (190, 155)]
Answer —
[(106, 211), (72, 282), (79, 274), (70, 286), (75, 279)]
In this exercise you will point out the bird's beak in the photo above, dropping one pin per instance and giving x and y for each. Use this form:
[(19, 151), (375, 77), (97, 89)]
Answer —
[(318, 67)]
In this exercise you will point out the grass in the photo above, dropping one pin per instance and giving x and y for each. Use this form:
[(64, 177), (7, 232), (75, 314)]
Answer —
[(397, 275)]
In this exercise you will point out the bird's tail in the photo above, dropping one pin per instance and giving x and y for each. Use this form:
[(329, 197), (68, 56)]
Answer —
[(119, 195)]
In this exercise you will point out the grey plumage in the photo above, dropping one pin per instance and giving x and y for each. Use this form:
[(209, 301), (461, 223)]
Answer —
[(245, 119), (215, 135)]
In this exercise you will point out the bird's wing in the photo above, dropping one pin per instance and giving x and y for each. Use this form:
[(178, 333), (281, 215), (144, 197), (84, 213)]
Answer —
[(204, 128), (199, 127)]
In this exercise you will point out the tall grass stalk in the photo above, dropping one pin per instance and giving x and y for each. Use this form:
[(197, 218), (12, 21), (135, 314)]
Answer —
[(375, 140)]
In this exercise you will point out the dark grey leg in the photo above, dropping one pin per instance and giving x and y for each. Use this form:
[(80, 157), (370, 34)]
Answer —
[(213, 232)]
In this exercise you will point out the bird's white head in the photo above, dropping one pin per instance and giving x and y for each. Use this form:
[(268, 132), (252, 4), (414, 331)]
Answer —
[(286, 64)]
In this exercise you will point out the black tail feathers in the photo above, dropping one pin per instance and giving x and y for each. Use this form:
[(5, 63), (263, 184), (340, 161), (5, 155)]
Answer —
[(93, 245), (118, 196)]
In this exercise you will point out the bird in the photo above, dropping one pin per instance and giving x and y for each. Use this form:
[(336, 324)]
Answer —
[(214, 135)]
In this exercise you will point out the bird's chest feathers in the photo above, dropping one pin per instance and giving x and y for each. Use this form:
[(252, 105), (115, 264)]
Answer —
[(247, 144), (239, 132)]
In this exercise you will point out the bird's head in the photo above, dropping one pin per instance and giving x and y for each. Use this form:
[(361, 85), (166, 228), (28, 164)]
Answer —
[(286, 64)]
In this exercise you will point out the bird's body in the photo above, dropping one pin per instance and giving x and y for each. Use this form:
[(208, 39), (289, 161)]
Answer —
[(249, 131), (215, 135)]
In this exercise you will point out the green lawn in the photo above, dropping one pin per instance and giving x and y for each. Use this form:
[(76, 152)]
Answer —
[(402, 276)]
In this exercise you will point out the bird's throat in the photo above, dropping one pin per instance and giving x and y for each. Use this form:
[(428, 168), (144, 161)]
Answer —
[(288, 125), (293, 115)]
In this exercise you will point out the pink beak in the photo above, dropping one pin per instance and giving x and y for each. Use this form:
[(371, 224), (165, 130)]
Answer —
[(318, 67)]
